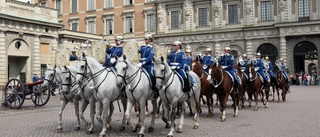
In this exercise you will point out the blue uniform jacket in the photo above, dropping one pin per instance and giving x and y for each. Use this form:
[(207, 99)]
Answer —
[(188, 63), (270, 69), (207, 61), (260, 67), (115, 51), (228, 61), (178, 59), (146, 54), (73, 57)]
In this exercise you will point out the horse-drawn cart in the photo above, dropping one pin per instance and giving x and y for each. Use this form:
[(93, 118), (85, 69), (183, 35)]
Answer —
[(15, 92)]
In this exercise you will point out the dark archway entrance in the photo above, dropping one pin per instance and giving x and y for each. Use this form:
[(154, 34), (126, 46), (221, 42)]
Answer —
[(304, 52), (235, 54), (269, 50)]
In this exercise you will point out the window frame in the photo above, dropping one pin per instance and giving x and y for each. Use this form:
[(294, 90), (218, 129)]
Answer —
[(90, 6), (106, 1), (60, 8), (305, 11), (72, 7), (270, 12), (126, 4), (88, 20), (228, 14), (73, 21), (109, 16)]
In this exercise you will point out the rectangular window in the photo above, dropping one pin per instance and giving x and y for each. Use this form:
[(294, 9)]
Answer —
[(129, 25), (303, 7), (58, 6), (43, 4), (203, 16), (265, 10), (91, 5), (128, 2), (149, 0), (150, 22), (43, 69), (91, 24), (74, 26), (108, 26), (233, 14), (108, 3), (74, 8), (175, 20)]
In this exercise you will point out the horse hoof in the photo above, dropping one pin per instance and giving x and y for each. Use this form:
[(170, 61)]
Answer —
[(191, 114), (122, 128), (102, 135), (179, 130), (89, 132), (135, 129), (167, 126), (200, 111), (59, 130), (256, 109), (169, 135), (140, 135), (109, 127), (195, 127), (77, 128), (151, 129), (223, 119), (138, 126), (234, 115)]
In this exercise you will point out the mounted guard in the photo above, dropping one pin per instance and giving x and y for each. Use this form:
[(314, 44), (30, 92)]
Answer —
[(227, 61), (270, 67), (146, 53), (189, 60), (207, 60), (243, 61), (177, 60), (114, 51), (283, 70), (73, 56), (259, 67)]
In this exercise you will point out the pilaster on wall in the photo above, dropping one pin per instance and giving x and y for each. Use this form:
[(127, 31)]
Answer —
[(36, 55), (217, 14), (249, 48), (248, 12), (53, 46), (217, 49), (3, 59), (283, 50)]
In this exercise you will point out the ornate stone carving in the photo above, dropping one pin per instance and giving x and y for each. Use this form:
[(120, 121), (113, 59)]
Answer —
[(216, 8), (187, 7), (161, 17), (282, 5), (248, 6)]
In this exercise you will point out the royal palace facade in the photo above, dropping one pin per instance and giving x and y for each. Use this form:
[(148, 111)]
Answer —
[(30, 33)]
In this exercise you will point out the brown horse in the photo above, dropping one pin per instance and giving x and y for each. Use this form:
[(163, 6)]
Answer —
[(256, 87), (242, 88), (280, 82), (206, 89), (223, 87)]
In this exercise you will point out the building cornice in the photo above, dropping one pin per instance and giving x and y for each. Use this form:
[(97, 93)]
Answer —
[(9, 17), (298, 23)]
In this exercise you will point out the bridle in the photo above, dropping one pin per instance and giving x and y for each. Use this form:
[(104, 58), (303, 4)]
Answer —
[(70, 85), (216, 72), (52, 78), (250, 72), (130, 78), (281, 77)]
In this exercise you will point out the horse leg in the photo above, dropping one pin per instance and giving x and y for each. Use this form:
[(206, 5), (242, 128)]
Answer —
[(183, 109), (76, 107), (136, 109), (124, 120), (106, 104), (83, 107), (92, 109), (142, 105), (223, 101), (172, 116), (217, 99), (154, 105), (111, 108), (130, 105), (63, 104), (250, 98), (210, 114), (283, 94), (190, 108), (147, 109), (256, 94), (267, 97), (203, 101), (165, 115), (99, 112), (278, 93), (158, 110)]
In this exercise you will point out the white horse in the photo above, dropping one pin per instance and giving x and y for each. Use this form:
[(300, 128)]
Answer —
[(138, 90), (170, 90), (85, 91), (53, 75), (107, 91)]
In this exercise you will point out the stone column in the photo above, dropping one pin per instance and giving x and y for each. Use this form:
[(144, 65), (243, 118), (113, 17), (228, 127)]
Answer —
[(54, 47), (217, 49), (3, 59), (283, 49), (36, 55), (249, 48)]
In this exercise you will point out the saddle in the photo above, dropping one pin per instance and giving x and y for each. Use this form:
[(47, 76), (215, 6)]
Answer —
[(191, 79)]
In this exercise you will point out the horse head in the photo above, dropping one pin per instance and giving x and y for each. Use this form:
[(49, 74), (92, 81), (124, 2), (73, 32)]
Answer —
[(66, 82), (196, 67), (279, 76), (252, 72), (82, 67), (122, 66), (49, 76), (161, 72)]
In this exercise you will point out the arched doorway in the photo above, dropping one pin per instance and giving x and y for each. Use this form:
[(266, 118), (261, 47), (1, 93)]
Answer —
[(235, 54), (304, 53), (269, 50)]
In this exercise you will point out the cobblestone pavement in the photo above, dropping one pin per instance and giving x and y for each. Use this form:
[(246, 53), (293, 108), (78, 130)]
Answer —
[(296, 117)]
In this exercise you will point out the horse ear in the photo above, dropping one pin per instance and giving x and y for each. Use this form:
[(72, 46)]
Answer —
[(124, 57), (83, 55), (65, 67), (55, 66), (48, 66), (162, 59), (153, 59)]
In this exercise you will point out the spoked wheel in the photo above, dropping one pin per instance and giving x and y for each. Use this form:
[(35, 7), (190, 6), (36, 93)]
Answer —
[(40, 95), (14, 95)]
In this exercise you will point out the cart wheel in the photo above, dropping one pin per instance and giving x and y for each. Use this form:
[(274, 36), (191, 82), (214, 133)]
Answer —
[(40, 96), (14, 95)]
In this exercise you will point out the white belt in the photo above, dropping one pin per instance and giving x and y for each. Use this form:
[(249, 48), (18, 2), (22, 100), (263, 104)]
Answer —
[(143, 58), (174, 63)]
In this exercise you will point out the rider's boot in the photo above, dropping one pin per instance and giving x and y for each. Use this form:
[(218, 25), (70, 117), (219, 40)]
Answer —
[(235, 85), (155, 90), (186, 86)]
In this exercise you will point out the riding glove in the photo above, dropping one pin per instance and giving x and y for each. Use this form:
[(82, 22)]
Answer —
[(139, 65), (223, 67), (173, 67)]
